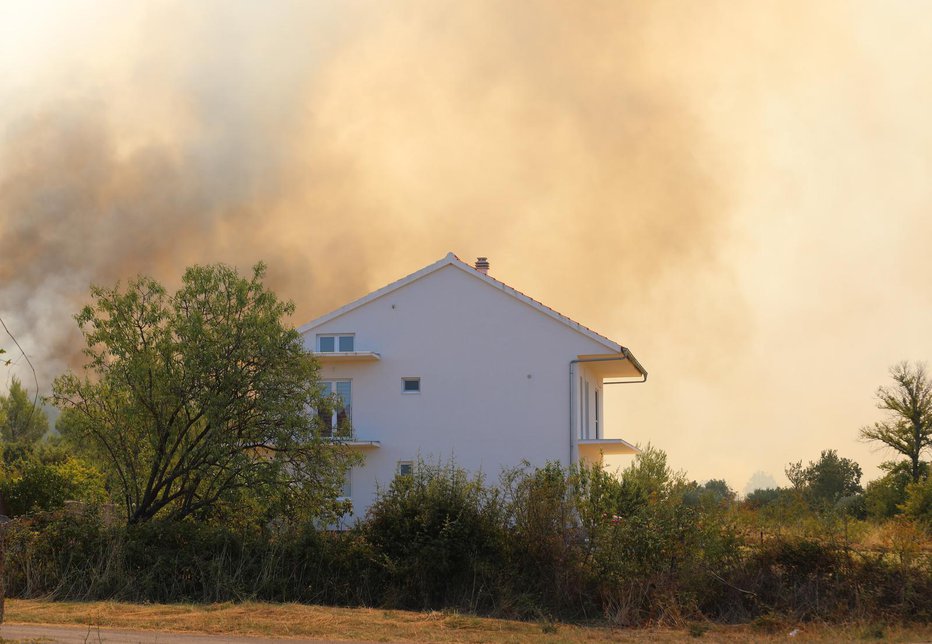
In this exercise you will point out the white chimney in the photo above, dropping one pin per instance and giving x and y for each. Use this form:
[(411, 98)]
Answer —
[(482, 265)]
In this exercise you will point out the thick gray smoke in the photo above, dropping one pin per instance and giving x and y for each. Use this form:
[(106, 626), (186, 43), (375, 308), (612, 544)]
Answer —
[(738, 192), (348, 149)]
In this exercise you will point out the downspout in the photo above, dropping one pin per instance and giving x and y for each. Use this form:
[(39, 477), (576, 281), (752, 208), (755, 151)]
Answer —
[(625, 355)]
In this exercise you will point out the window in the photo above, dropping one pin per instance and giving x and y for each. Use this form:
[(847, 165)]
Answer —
[(347, 490), (410, 385), (405, 468), (343, 389), (597, 434), (336, 342)]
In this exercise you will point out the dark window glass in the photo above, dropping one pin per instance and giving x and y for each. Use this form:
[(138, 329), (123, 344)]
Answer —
[(346, 343), (412, 384), (326, 344)]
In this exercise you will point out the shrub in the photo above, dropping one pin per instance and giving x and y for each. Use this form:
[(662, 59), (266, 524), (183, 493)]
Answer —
[(437, 536), (918, 503), (44, 478)]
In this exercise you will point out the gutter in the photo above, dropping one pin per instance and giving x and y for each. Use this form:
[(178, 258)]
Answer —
[(625, 355)]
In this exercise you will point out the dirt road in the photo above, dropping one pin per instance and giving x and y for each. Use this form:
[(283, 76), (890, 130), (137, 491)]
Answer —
[(93, 635)]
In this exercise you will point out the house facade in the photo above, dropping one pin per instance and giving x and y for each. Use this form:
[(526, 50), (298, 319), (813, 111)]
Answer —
[(449, 363)]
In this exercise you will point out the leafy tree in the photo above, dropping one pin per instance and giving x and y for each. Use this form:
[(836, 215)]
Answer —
[(884, 496), (648, 478), (918, 503), (193, 400), (44, 477), (827, 481), (714, 492), (20, 419), (908, 406), (763, 496)]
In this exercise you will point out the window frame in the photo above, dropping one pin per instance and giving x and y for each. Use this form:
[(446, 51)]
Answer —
[(410, 392), (400, 465), (337, 341), (331, 384), (346, 491)]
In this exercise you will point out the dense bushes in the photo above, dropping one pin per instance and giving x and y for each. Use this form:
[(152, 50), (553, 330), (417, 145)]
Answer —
[(42, 476), (439, 538), (544, 543)]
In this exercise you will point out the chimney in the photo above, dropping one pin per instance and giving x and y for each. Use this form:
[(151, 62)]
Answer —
[(482, 265)]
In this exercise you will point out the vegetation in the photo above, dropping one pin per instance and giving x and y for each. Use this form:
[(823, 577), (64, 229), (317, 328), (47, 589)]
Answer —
[(907, 429), (549, 543), (201, 421), (195, 403), (43, 477), (21, 421)]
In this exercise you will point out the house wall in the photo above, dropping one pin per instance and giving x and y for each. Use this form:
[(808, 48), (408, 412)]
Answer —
[(494, 378)]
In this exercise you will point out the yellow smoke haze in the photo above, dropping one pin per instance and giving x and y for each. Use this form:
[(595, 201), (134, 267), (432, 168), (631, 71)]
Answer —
[(736, 191)]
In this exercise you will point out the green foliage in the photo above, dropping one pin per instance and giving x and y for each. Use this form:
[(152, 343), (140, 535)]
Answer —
[(549, 545), (439, 534), (907, 404), (195, 402), (884, 496), (647, 479), (918, 503), (713, 493), (20, 420), (44, 478), (765, 497), (545, 533), (826, 482)]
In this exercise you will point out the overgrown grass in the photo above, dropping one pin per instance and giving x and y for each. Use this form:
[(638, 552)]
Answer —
[(295, 620)]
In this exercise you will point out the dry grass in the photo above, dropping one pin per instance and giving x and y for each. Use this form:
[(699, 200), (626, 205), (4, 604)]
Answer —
[(296, 620)]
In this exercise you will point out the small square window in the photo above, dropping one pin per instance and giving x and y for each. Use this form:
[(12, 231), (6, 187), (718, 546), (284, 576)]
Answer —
[(410, 385), (405, 468), (346, 343), (327, 344)]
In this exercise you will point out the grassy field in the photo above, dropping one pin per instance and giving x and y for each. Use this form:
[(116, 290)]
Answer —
[(294, 620)]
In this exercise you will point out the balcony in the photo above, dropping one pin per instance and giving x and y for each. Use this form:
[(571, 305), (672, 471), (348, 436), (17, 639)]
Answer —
[(334, 357), (592, 450), (353, 441)]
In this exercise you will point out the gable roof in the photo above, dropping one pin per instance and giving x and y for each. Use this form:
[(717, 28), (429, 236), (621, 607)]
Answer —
[(452, 260)]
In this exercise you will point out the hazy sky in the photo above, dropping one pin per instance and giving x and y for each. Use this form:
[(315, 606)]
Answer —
[(738, 192)]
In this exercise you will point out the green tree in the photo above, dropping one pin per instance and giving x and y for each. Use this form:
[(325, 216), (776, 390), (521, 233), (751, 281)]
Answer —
[(44, 477), (827, 481), (884, 496), (907, 428), (20, 419), (918, 503), (195, 400)]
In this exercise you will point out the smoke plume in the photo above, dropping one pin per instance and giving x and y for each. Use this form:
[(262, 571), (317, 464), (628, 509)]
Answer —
[(668, 173)]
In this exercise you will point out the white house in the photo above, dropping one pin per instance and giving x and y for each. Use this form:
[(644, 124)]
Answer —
[(450, 363)]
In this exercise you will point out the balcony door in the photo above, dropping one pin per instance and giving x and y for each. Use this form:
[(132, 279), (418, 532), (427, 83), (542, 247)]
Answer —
[(342, 412)]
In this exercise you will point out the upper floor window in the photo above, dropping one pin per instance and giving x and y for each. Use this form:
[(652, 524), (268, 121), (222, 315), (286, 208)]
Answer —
[(330, 343), (410, 385)]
